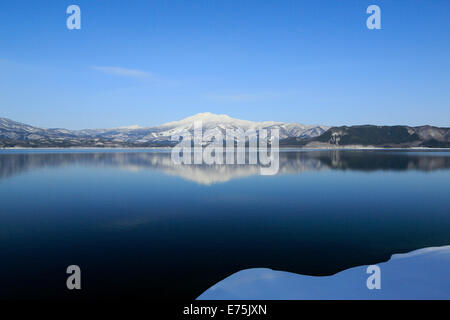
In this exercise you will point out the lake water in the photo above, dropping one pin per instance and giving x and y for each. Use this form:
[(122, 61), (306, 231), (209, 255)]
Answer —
[(140, 226)]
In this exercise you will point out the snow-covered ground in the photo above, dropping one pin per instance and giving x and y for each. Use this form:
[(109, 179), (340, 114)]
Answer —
[(420, 274)]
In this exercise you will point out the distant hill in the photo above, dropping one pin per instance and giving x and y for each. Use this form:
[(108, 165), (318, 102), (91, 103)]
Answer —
[(377, 136)]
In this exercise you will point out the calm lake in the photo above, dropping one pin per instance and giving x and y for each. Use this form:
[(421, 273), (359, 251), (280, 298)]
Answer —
[(141, 227)]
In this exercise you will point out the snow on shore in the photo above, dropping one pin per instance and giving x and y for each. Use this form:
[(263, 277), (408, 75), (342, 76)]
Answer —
[(420, 274)]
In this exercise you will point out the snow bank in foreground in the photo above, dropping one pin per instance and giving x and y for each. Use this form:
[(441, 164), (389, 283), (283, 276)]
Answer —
[(420, 274)]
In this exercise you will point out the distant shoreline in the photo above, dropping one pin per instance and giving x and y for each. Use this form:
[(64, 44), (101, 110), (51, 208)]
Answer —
[(284, 148)]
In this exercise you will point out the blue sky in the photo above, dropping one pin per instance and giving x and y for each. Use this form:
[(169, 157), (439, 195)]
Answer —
[(150, 62)]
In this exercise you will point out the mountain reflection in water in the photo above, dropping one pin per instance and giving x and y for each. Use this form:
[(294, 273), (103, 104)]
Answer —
[(291, 162), (141, 227)]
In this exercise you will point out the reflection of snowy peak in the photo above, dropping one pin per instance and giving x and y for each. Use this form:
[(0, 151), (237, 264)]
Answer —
[(161, 161)]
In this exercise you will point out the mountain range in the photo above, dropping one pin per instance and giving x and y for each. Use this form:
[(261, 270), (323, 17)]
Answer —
[(16, 135)]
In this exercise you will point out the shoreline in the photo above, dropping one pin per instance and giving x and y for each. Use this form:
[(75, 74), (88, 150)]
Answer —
[(411, 283), (281, 148)]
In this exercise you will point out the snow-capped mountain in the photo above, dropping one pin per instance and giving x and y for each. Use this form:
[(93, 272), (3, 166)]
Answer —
[(14, 133), (210, 122), (18, 131), (221, 122)]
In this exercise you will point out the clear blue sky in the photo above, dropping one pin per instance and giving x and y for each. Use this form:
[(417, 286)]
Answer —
[(149, 62)]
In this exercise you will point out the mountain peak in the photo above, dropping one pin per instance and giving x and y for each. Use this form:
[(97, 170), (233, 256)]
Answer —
[(208, 116)]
